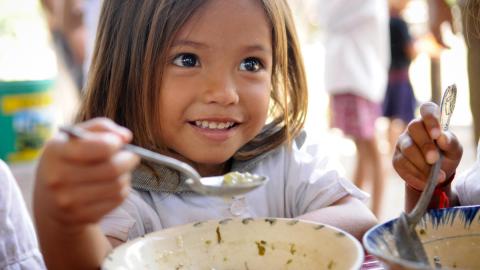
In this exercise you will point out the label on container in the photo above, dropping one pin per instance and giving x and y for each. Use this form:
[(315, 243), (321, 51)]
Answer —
[(14, 103), (27, 122)]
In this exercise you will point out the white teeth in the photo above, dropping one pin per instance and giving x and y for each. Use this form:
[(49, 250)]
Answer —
[(214, 125)]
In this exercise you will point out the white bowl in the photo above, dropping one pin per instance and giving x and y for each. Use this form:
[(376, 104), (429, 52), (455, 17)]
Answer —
[(451, 238), (241, 244)]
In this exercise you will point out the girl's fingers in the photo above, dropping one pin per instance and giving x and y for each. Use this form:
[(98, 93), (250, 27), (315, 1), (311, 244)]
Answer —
[(90, 213), (417, 132), (450, 145), (413, 177), (430, 116), (408, 171), (418, 148), (107, 171), (412, 153), (82, 179), (102, 138), (102, 124), (91, 149), (72, 199)]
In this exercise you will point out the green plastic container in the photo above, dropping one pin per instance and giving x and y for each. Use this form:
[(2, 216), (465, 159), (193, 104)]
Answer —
[(26, 118)]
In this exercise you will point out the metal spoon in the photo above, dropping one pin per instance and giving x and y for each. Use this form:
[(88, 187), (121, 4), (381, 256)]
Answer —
[(407, 241), (213, 185)]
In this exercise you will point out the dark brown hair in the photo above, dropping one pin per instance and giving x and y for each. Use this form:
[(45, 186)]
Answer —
[(133, 40), (471, 17)]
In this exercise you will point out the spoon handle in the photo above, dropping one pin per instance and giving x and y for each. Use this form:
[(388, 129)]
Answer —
[(447, 106), (144, 153)]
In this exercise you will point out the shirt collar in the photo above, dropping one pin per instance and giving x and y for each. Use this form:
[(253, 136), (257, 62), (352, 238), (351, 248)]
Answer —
[(159, 178)]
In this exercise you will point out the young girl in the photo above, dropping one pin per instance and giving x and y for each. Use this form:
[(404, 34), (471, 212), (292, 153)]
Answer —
[(218, 84)]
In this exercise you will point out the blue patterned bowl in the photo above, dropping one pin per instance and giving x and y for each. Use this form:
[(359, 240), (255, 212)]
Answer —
[(451, 238), (240, 244)]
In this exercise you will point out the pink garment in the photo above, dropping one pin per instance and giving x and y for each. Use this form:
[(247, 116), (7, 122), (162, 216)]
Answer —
[(355, 115)]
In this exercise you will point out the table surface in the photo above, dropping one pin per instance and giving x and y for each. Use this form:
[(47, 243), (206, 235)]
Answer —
[(371, 263)]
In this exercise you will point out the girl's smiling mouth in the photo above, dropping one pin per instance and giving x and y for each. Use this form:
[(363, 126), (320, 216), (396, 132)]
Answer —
[(214, 125), (216, 130)]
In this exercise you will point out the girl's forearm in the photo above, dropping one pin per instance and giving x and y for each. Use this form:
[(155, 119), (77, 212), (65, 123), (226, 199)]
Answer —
[(348, 214), (67, 248)]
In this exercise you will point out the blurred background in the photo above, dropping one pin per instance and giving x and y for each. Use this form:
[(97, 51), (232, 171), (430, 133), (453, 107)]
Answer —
[(45, 49)]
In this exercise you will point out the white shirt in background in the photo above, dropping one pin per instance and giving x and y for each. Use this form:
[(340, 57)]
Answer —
[(467, 184), (357, 46)]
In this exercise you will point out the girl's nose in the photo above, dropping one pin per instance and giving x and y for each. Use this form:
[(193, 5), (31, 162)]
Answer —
[(221, 89)]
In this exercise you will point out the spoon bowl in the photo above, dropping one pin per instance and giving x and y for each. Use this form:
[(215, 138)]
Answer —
[(215, 185), (211, 186)]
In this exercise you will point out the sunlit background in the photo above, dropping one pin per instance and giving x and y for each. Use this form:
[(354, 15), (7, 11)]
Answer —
[(453, 70)]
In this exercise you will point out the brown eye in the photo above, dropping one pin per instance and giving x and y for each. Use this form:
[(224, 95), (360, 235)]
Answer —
[(251, 64), (186, 60)]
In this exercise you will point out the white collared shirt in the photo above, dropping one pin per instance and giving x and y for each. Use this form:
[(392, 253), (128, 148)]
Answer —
[(467, 184), (299, 182), (357, 46)]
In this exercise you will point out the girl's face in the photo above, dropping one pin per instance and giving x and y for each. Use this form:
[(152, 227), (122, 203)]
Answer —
[(216, 86)]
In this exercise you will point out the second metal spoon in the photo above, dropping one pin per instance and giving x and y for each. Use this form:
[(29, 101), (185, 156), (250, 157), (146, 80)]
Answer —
[(408, 243)]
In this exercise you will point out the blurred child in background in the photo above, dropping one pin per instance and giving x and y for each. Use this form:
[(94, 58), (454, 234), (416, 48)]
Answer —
[(399, 104), (356, 59)]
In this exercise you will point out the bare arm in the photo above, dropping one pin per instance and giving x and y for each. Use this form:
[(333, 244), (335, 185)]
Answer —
[(348, 214), (412, 51), (72, 249), (78, 182), (439, 12)]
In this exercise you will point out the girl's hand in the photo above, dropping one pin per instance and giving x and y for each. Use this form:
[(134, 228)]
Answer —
[(416, 152), (81, 180)]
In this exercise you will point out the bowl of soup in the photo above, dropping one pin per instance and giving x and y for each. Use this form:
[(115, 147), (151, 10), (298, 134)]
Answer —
[(450, 236), (270, 243)]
